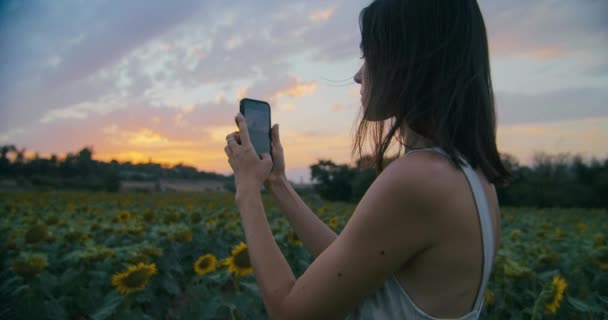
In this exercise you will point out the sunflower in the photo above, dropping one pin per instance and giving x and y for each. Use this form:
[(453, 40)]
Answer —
[(292, 238), (205, 264), (28, 265), (123, 216), (37, 233), (211, 224), (598, 240), (321, 211), (96, 254), (558, 285), (239, 262), (181, 235), (196, 217), (559, 233), (514, 269), (489, 297), (333, 223), (170, 217), (581, 227), (134, 279), (599, 257), (52, 220), (149, 215)]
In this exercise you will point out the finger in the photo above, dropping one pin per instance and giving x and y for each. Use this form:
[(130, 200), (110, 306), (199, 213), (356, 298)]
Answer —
[(228, 151), (233, 146), (275, 134), (243, 130), (234, 135)]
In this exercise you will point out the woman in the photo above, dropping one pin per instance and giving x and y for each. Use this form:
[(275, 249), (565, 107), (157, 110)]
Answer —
[(422, 241)]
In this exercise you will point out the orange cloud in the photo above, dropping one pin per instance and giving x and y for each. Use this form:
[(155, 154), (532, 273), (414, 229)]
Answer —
[(338, 107), (143, 137), (179, 117), (287, 106), (219, 133), (146, 136), (546, 53), (206, 161), (198, 53), (514, 45), (297, 90), (321, 15), (586, 137), (242, 92)]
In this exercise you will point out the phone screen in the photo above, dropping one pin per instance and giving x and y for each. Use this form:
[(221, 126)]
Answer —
[(257, 115)]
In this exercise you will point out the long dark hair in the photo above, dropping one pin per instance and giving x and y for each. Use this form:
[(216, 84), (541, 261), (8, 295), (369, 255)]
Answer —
[(428, 65)]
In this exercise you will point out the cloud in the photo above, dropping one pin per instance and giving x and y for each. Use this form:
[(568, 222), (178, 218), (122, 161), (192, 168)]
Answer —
[(586, 137), (142, 49), (296, 90), (287, 106), (521, 26), (565, 104), (176, 69), (321, 15), (96, 35), (284, 87)]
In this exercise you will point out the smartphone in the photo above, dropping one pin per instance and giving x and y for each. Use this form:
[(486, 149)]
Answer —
[(257, 115)]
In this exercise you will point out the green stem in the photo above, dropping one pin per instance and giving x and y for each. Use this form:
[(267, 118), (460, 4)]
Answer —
[(232, 313), (236, 282), (542, 293)]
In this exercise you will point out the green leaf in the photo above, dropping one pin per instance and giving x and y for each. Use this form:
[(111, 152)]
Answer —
[(581, 306), (111, 301), (68, 276), (251, 286), (169, 284), (54, 310), (19, 289)]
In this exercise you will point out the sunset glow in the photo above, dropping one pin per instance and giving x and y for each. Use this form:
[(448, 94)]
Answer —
[(167, 91)]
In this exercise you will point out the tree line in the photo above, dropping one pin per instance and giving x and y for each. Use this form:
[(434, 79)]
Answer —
[(80, 171), (551, 180)]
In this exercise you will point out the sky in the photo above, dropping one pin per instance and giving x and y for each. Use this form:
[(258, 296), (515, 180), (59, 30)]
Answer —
[(161, 80)]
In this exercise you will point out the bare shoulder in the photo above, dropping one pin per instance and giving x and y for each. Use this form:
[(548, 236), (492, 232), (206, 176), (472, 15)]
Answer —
[(427, 176)]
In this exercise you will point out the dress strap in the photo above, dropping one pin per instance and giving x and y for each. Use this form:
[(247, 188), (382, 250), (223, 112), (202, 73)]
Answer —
[(483, 212), (486, 229), (435, 149)]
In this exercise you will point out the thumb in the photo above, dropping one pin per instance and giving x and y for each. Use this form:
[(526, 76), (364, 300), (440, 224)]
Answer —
[(275, 134)]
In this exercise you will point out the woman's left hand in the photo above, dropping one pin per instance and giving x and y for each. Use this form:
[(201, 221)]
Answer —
[(250, 170)]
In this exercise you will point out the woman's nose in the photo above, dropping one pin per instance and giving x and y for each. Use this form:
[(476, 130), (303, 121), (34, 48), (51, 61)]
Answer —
[(357, 77)]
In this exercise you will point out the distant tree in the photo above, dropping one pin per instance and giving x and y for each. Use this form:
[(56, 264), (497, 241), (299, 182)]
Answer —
[(331, 181), (4, 160), (111, 181)]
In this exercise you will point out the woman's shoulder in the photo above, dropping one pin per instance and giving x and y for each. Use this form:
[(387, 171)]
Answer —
[(428, 173)]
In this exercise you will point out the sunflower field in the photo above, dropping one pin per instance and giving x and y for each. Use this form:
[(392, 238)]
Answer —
[(72, 255)]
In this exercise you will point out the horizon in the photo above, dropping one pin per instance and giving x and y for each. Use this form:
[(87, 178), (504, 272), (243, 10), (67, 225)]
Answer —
[(159, 80)]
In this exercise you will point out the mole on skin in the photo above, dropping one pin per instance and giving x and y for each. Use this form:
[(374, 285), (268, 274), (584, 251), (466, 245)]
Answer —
[(382, 252), (339, 274)]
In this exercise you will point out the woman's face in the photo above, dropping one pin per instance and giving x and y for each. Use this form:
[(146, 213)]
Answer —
[(361, 78)]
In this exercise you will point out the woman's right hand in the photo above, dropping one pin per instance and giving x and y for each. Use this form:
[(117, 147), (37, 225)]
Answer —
[(278, 169)]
